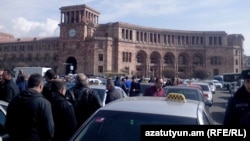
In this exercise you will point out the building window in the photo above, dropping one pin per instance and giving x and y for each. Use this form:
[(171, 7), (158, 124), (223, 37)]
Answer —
[(210, 40), (173, 39), (55, 57), (236, 52), (123, 33), (155, 38), (165, 39), (236, 61), (151, 37), (145, 37), (126, 34), (215, 40), (130, 35), (201, 40), (193, 40), (126, 56), (137, 36), (219, 40), (178, 40), (100, 69), (216, 60), (187, 40), (100, 57)]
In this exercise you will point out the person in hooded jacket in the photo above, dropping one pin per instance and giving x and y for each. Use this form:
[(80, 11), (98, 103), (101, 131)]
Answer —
[(29, 114), (63, 111), (238, 107)]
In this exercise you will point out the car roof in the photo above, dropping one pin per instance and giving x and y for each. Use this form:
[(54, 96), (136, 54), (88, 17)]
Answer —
[(200, 83), (155, 105), (180, 87)]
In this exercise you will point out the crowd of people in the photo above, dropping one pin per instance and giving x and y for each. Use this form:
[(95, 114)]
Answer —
[(47, 111)]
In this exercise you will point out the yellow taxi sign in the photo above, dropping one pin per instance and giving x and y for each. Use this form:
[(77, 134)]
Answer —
[(176, 97)]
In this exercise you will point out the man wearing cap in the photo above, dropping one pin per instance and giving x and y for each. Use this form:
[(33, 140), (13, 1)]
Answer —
[(239, 105), (10, 89)]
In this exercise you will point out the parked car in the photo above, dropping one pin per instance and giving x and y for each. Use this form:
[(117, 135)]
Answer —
[(211, 85), (218, 84), (193, 93), (206, 91), (102, 92), (95, 81), (3, 110), (121, 120)]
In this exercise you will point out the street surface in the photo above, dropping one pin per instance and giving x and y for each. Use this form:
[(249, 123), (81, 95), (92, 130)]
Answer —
[(220, 102)]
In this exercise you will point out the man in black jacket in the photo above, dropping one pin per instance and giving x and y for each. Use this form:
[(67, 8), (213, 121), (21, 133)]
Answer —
[(84, 99), (29, 115), (49, 76), (10, 89), (63, 111), (239, 105)]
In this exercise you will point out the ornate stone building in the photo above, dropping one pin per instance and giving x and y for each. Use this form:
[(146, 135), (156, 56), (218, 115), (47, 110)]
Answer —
[(86, 46)]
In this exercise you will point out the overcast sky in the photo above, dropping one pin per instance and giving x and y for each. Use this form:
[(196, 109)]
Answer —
[(40, 18)]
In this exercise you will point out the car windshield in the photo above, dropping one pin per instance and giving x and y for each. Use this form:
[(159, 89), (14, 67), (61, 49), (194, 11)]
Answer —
[(125, 126)]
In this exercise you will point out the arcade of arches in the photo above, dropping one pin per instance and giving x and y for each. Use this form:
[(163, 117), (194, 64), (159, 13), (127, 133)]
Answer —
[(154, 63)]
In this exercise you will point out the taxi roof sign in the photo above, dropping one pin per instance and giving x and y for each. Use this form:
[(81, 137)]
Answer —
[(176, 97)]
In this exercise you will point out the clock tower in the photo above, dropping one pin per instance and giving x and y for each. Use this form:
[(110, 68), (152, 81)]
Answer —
[(77, 22)]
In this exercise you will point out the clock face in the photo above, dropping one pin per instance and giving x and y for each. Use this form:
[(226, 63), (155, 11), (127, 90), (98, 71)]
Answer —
[(72, 32)]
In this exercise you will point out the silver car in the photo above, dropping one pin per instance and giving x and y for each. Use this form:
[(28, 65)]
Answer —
[(122, 119), (189, 92), (206, 91)]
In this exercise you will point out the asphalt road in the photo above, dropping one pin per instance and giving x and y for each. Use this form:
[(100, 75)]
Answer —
[(220, 103)]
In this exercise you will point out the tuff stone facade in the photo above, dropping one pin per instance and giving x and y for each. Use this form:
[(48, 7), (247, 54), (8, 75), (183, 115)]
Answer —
[(119, 47)]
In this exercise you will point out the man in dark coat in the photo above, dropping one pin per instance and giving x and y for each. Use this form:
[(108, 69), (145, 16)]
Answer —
[(112, 93), (49, 76), (135, 88), (29, 115), (10, 89), (239, 105), (63, 112), (84, 99)]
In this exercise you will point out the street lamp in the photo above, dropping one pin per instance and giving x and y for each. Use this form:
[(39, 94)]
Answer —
[(71, 67)]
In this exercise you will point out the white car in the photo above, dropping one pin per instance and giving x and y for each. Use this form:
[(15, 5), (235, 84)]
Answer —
[(211, 85), (218, 84), (95, 81), (122, 119), (206, 91)]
